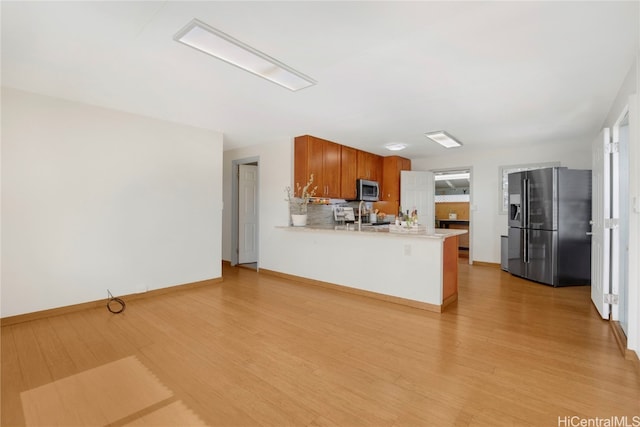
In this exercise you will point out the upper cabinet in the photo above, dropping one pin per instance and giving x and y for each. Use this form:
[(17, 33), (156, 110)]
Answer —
[(390, 191), (321, 158), (369, 166), (349, 169), (336, 168)]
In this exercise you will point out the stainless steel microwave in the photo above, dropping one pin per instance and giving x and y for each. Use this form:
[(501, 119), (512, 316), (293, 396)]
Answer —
[(366, 190)]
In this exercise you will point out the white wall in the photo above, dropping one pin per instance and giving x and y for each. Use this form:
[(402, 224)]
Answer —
[(275, 168), (96, 199), (487, 224)]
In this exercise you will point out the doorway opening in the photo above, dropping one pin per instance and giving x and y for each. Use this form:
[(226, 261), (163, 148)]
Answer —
[(453, 202), (245, 213)]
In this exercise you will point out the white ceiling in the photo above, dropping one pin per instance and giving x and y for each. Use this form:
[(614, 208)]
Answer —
[(490, 73)]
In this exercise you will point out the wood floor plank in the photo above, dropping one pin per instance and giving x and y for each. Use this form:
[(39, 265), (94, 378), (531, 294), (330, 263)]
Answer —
[(261, 350), (77, 348), (33, 365), (10, 380), (54, 351)]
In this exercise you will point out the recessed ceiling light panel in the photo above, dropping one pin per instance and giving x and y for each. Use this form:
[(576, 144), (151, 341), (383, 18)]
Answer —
[(444, 139), (211, 41), (395, 146)]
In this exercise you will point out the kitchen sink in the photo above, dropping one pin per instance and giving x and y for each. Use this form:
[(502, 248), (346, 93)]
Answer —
[(364, 227)]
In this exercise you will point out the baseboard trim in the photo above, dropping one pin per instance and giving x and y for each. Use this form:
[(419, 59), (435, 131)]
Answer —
[(341, 288), (486, 264), (449, 300), (621, 340), (21, 318)]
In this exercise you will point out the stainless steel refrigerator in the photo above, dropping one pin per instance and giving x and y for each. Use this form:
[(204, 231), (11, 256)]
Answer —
[(549, 226)]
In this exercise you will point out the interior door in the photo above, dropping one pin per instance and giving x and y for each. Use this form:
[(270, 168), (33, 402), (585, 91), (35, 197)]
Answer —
[(417, 190), (247, 214), (600, 209)]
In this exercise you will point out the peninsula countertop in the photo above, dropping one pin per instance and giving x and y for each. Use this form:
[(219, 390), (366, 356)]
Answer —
[(419, 268), (378, 230)]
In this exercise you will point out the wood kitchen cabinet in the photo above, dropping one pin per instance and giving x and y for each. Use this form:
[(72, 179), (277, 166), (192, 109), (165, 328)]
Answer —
[(390, 186), (321, 158), (369, 166), (349, 169)]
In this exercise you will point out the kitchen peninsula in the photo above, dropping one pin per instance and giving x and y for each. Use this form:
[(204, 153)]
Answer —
[(418, 270)]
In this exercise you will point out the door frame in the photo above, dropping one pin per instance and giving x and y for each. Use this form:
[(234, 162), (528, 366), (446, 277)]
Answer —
[(235, 187), (621, 232), (472, 207)]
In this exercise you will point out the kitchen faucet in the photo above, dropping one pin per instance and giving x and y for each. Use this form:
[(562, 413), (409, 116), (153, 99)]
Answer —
[(360, 215)]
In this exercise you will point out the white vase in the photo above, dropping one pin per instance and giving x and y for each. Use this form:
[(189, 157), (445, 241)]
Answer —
[(299, 220)]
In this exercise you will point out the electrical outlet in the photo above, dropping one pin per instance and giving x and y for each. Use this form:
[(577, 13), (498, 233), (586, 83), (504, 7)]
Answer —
[(407, 250)]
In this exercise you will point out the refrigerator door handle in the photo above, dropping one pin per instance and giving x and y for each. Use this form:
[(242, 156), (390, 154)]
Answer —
[(525, 245), (527, 216)]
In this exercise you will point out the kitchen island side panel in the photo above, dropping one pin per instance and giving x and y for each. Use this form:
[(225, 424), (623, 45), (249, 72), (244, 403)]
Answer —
[(402, 266), (449, 267)]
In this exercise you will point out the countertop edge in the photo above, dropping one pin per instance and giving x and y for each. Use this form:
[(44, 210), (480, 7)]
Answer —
[(440, 233)]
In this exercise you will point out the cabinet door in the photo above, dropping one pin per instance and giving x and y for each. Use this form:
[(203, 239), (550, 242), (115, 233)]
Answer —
[(390, 191), (362, 171), (315, 164), (375, 167), (331, 169), (300, 165), (369, 166), (391, 168), (349, 169)]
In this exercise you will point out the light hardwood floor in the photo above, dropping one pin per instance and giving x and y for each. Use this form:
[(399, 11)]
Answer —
[(258, 350)]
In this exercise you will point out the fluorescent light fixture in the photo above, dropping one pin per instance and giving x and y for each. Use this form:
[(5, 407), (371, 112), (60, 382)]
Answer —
[(451, 176), (444, 139), (209, 40), (395, 146)]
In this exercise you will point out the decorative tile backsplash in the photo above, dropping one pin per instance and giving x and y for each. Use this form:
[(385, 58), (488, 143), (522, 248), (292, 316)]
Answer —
[(322, 215)]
